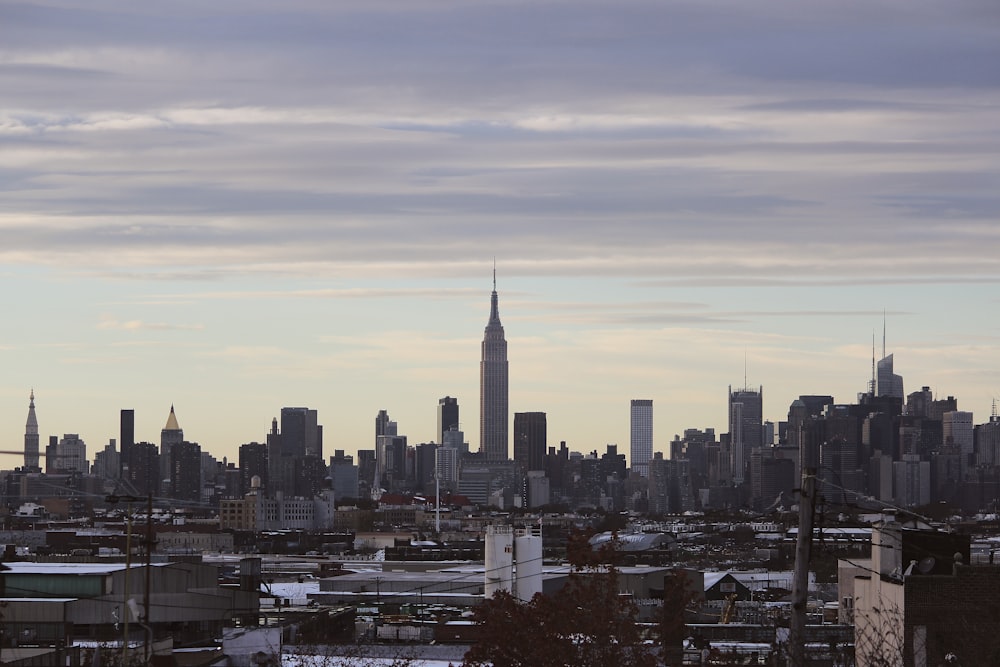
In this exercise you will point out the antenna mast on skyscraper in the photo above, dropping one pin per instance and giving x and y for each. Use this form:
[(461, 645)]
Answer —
[(872, 383), (883, 333), (494, 274)]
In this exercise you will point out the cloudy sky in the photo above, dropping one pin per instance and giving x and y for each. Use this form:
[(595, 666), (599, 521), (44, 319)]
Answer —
[(237, 206)]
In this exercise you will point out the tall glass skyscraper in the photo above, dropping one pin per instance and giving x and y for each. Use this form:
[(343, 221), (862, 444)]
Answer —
[(493, 411), (746, 428), (641, 436)]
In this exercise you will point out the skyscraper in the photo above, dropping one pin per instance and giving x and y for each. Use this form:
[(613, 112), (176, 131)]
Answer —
[(530, 442), (301, 435), (185, 471), (493, 413), (746, 428), (170, 435), (641, 435), (253, 463), (126, 438), (31, 438), (888, 383), (447, 416)]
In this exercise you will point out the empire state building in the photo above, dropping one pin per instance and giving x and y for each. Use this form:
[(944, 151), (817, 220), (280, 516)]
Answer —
[(493, 414)]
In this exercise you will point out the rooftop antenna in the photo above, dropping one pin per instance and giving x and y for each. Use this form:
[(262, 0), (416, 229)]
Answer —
[(494, 273), (746, 385), (873, 383), (994, 413), (883, 333)]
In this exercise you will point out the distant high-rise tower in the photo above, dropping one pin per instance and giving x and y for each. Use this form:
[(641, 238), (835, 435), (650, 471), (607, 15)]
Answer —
[(641, 435), (447, 416), (185, 471), (31, 438), (126, 438), (887, 382), (170, 435), (253, 463), (301, 435), (493, 414), (530, 443), (746, 428)]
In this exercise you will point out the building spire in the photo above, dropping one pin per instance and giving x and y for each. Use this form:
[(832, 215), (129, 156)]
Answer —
[(883, 333), (172, 421), (494, 304), (873, 384), (31, 437)]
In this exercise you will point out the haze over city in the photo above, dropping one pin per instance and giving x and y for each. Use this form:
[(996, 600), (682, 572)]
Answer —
[(250, 205)]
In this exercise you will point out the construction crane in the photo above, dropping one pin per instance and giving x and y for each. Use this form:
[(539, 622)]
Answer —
[(728, 609)]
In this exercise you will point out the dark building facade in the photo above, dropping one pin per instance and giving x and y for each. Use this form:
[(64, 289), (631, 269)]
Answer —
[(126, 437), (530, 442), (253, 463), (185, 471), (447, 417)]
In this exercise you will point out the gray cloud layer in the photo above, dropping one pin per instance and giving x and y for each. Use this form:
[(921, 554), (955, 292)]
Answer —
[(558, 135)]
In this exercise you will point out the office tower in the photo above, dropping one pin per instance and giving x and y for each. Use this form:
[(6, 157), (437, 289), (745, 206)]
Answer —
[(70, 455), (447, 416), (670, 489), (384, 425), (641, 435), (911, 481), (344, 474), (958, 431), (493, 414), (144, 468), (170, 435), (31, 438), (800, 412), (126, 436), (301, 435), (530, 440), (310, 476), (887, 382), (446, 460), (185, 471), (987, 437), (52, 456), (390, 463), (746, 429), (456, 440), (107, 462), (423, 461), (253, 463), (280, 467), (367, 468)]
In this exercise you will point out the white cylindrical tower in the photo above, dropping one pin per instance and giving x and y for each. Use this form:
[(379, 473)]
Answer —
[(499, 560), (528, 553)]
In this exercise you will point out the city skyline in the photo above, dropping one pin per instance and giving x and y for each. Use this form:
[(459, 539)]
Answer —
[(248, 206)]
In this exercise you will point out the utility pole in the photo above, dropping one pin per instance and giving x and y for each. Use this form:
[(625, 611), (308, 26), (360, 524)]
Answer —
[(149, 566), (803, 549), (148, 542)]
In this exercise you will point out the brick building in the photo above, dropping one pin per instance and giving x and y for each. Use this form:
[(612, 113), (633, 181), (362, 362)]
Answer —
[(920, 601)]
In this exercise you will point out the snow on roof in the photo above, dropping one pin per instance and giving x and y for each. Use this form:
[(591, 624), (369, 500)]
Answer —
[(291, 590), (79, 569), (712, 578)]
